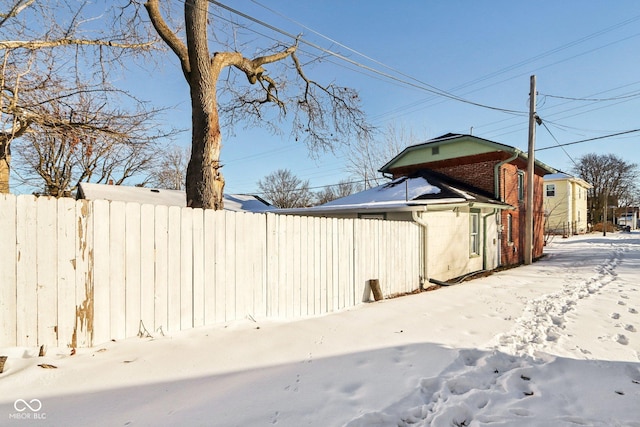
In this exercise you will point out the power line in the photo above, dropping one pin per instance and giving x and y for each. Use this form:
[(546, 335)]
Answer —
[(590, 139), (418, 85), (558, 143), (632, 95)]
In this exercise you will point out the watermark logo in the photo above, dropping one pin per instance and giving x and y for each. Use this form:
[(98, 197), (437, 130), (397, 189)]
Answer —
[(28, 410)]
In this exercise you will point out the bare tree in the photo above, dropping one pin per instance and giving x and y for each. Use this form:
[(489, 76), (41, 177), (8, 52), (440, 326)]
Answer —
[(285, 190), (612, 178), (40, 52), (343, 188), (171, 170), (78, 138), (367, 155), (322, 115)]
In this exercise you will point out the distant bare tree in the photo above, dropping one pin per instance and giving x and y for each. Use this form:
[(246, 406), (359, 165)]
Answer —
[(322, 115), (171, 169), (285, 190), (367, 155), (343, 188), (612, 178)]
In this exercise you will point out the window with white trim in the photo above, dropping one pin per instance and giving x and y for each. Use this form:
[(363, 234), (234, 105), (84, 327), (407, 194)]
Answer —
[(474, 233), (551, 190), (520, 185)]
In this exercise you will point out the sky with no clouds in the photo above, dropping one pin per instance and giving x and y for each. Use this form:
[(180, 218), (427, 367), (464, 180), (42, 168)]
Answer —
[(584, 55)]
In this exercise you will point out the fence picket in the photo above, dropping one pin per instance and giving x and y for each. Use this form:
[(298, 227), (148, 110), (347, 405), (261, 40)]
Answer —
[(186, 268), (117, 269), (83, 330), (46, 259), (26, 272), (173, 269), (147, 268), (209, 274), (230, 283), (199, 262), (8, 279), (66, 265), (219, 238), (161, 265), (272, 296), (133, 263)]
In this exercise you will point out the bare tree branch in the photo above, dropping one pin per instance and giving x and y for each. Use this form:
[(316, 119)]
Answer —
[(45, 44)]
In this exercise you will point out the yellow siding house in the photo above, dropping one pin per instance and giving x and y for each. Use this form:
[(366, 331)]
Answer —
[(565, 204)]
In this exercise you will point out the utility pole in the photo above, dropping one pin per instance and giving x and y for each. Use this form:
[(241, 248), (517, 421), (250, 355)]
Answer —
[(528, 233), (606, 203)]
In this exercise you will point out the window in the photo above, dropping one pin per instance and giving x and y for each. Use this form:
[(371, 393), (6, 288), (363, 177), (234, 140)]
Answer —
[(435, 150), (509, 229), (474, 233), (551, 190), (520, 185)]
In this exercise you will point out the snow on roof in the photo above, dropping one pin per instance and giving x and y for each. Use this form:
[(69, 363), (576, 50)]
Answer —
[(562, 175), (154, 196), (398, 190), (419, 189)]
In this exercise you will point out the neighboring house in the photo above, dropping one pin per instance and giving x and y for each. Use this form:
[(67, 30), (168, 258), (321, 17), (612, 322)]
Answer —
[(628, 217), (154, 196), (498, 169), (565, 204), (459, 222)]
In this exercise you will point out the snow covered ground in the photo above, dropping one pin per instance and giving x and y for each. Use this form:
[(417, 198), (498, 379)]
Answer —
[(555, 343)]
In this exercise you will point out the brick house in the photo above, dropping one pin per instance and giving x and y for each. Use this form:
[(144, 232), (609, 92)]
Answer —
[(490, 166)]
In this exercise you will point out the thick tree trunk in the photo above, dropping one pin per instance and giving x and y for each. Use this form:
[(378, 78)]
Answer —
[(204, 183)]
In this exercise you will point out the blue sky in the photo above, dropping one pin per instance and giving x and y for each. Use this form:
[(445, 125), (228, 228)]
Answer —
[(483, 52)]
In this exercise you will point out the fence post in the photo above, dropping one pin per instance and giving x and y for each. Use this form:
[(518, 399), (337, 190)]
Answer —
[(374, 284)]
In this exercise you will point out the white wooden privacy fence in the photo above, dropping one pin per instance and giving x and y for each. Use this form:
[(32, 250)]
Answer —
[(78, 273)]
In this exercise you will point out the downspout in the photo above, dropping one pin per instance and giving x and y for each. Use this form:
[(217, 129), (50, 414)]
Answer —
[(496, 175), (425, 260)]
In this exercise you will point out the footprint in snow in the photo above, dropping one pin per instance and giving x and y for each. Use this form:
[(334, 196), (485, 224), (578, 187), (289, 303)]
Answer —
[(622, 303), (621, 339), (615, 316), (630, 328), (633, 311)]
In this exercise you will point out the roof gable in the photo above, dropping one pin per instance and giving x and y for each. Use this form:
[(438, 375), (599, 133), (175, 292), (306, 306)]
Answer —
[(452, 146)]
